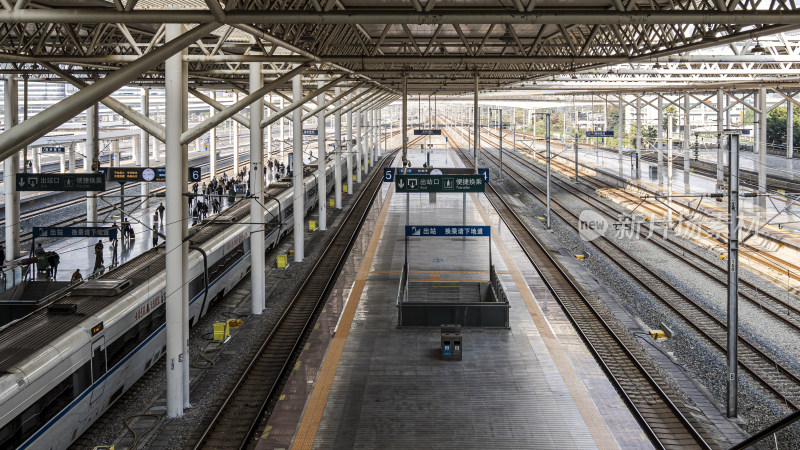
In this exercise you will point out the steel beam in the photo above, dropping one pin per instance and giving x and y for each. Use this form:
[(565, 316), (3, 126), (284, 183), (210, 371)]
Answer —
[(219, 106), (214, 120), (49, 119), (322, 105), (561, 16), (299, 102)]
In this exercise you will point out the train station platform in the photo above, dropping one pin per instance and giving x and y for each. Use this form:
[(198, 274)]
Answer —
[(363, 382)]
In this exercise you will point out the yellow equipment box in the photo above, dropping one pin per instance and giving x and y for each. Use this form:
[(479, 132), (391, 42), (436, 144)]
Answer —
[(657, 334), (344, 188), (355, 178), (580, 256), (282, 260), (331, 202), (312, 225), (221, 331), (234, 323)]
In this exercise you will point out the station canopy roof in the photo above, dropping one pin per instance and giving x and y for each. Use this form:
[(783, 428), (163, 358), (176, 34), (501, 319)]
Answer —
[(439, 46)]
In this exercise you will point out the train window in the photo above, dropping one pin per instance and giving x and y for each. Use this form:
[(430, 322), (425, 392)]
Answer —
[(57, 399), (29, 421), (7, 435), (98, 363), (126, 343), (81, 379)]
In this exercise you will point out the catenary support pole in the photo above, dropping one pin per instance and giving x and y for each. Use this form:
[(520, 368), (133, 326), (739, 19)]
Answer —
[(92, 160), (404, 124), (10, 170), (236, 162), (297, 169), (621, 132), (174, 76), (789, 130), (257, 302), (547, 170), (733, 274), (359, 146), (144, 147), (660, 139), (350, 152), (337, 156), (762, 148), (687, 148), (476, 126), (638, 135), (720, 139), (322, 191)]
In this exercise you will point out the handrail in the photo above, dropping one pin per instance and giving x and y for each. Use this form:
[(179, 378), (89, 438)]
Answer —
[(770, 430)]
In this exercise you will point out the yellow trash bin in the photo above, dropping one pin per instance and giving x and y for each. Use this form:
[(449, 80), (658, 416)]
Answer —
[(282, 261), (344, 188), (221, 331), (331, 202), (312, 225)]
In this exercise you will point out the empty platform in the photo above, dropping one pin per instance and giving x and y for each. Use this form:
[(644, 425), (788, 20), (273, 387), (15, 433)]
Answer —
[(364, 382)]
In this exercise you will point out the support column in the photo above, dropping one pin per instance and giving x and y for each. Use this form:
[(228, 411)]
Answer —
[(733, 277), (476, 124), (789, 129), (212, 142), (762, 147), (283, 134), (10, 170), (175, 75), (257, 255), (660, 138), (115, 153), (720, 139), (337, 156), (299, 192), (37, 164), (235, 148), (359, 147), (687, 130), (144, 147), (72, 157), (268, 143), (350, 152), (62, 163), (322, 191), (92, 160)]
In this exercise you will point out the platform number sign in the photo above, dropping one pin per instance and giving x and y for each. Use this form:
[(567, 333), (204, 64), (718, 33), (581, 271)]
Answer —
[(485, 173), (388, 174), (195, 174)]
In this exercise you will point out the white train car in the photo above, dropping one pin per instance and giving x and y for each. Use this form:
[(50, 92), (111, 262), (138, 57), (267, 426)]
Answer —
[(59, 373)]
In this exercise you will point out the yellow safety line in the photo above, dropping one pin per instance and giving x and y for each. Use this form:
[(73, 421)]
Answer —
[(591, 415), (312, 416)]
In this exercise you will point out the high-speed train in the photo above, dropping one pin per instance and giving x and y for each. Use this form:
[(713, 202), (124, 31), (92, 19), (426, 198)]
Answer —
[(63, 366)]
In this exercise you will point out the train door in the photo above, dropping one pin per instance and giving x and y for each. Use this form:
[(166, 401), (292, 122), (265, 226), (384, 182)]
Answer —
[(98, 366)]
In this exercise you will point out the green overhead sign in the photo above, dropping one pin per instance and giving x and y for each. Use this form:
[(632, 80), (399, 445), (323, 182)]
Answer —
[(440, 183)]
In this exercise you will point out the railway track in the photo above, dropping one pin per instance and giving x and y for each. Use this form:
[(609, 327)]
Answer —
[(659, 416), (236, 419), (768, 372), (774, 306)]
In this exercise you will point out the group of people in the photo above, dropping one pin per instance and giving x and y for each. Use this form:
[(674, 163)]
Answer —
[(46, 262)]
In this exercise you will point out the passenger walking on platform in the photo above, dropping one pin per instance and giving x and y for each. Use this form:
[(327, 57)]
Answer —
[(54, 261), (155, 238), (114, 239), (76, 277), (98, 255), (39, 251), (160, 210), (155, 220), (215, 205)]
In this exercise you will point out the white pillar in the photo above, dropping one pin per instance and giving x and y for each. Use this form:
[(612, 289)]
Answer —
[(92, 160), (638, 134), (297, 163), (283, 135), (337, 157), (621, 132), (115, 153), (687, 130), (10, 170), (185, 232), (144, 147), (157, 150), (258, 301), (350, 152), (236, 145), (62, 166), (359, 147), (72, 157), (176, 216), (762, 146), (269, 136), (660, 138), (789, 129), (322, 191), (37, 165), (212, 142), (720, 139)]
